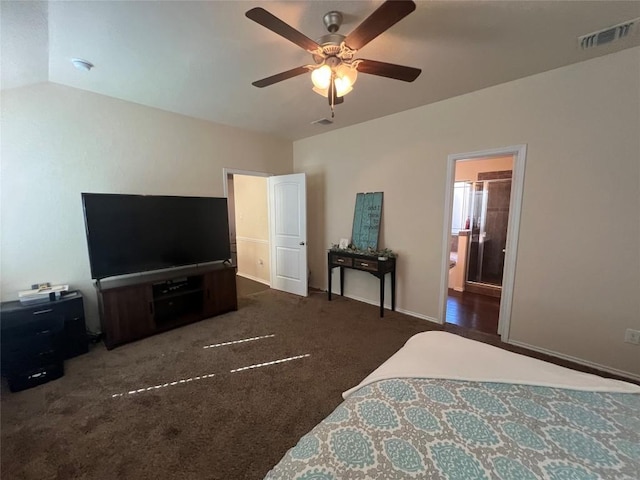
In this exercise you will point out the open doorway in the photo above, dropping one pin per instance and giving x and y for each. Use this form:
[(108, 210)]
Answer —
[(247, 197), (480, 215), (484, 194)]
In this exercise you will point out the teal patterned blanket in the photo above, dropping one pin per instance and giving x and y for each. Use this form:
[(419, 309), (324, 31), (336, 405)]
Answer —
[(416, 428)]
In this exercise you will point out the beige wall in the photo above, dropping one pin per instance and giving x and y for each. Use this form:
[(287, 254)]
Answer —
[(252, 227), (468, 170), (58, 142), (582, 181)]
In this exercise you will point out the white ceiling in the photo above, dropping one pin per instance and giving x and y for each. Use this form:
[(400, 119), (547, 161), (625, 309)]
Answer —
[(199, 58)]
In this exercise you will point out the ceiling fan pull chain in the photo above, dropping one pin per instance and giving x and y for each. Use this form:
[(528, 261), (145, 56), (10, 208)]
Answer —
[(332, 92)]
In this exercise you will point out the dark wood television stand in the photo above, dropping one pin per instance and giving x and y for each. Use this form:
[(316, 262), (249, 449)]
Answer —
[(136, 307)]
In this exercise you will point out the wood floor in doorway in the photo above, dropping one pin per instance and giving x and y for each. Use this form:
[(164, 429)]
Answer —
[(473, 311)]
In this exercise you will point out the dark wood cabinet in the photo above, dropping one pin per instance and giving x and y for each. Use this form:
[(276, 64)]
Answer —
[(126, 314), (220, 291), (36, 339), (131, 309)]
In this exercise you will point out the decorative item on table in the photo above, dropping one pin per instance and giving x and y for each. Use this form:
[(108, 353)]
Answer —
[(344, 243), (382, 254), (366, 220), (42, 293)]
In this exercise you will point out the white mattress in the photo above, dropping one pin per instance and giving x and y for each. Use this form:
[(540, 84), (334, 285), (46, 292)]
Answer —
[(445, 355)]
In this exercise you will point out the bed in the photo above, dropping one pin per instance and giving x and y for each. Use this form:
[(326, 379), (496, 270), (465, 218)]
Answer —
[(448, 407)]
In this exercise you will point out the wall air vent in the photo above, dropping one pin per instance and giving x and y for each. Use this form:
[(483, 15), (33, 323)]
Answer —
[(322, 121), (608, 35)]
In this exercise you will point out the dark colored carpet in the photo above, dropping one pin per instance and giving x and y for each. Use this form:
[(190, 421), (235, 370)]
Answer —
[(249, 287), (231, 426)]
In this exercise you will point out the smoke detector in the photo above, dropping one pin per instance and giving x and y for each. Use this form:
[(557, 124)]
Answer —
[(607, 35), (81, 64)]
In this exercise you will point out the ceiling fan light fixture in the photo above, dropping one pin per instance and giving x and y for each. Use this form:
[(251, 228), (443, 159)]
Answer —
[(321, 77), (348, 72), (321, 91), (345, 76), (343, 86)]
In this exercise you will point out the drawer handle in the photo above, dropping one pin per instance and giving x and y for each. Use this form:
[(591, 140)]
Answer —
[(340, 260), (362, 264), (43, 332), (40, 312)]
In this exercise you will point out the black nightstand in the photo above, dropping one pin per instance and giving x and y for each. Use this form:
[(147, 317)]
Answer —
[(37, 338)]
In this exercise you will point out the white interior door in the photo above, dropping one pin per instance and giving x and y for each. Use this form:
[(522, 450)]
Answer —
[(288, 232)]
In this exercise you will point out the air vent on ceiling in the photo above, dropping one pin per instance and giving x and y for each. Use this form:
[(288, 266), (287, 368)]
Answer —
[(322, 121), (607, 35)]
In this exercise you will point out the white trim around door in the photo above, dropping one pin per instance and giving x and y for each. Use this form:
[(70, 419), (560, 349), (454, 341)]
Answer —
[(519, 153), (232, 171)]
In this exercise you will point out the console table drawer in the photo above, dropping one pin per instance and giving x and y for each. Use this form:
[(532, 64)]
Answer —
[(343, 261), (365, 265)]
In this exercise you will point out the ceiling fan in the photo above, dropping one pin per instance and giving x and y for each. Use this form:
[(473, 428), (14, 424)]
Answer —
[(335, 69)]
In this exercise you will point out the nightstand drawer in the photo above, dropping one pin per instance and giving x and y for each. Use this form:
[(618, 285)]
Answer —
[(369, 265), (35, 376), (344, 261)]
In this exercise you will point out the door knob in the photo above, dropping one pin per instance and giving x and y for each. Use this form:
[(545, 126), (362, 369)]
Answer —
[(301, 243)]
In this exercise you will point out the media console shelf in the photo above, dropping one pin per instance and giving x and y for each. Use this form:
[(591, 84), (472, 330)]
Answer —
[(137, 307)]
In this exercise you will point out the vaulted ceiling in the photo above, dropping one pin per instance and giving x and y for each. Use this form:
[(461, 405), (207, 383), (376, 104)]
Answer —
[(199, 58)]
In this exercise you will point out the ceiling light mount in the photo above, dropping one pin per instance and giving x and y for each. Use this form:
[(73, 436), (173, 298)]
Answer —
[(81, 64), (332, 21)]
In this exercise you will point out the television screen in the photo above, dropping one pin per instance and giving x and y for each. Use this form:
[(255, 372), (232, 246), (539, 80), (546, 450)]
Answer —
[(138, 233)]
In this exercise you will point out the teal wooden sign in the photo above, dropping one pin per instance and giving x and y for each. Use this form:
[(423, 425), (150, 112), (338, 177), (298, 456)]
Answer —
[(366, 220)]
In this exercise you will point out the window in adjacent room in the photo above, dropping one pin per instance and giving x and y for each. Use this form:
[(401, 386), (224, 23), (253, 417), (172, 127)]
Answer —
[(461, 207)]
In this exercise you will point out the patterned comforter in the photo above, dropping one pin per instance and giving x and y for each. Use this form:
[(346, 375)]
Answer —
[(437, 428)]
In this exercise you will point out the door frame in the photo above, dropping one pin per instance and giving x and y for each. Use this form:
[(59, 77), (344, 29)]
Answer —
[(233, 171), (519, 153)]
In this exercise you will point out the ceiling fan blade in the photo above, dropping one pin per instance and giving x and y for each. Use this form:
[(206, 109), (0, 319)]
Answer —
[(265, 82), (389, 70), (387, 15), (273, 23)]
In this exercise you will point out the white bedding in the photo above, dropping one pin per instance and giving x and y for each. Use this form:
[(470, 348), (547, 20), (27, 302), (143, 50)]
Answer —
[(445, 355)]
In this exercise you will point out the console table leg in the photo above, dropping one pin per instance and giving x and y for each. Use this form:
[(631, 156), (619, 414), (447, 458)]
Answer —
[(329, 281), (382, 295), (393, 290), (342, 281)]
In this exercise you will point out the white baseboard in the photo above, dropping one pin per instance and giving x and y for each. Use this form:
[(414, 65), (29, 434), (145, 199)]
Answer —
[(388, 306), (255, 279), (586, 363)]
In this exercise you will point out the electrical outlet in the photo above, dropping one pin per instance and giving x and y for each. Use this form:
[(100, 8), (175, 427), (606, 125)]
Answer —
[(632, 336)]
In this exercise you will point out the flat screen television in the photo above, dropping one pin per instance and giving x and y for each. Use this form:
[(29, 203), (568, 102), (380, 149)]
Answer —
[(139, 233)]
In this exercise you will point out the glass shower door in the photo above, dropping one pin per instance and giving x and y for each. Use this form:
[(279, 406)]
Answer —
[(489, 231)]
